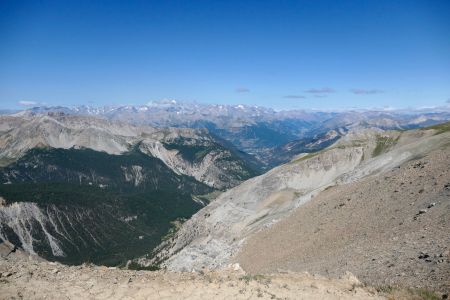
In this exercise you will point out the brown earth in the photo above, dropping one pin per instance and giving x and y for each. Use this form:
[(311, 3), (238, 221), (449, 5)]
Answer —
[(22, 277), (389, 230)]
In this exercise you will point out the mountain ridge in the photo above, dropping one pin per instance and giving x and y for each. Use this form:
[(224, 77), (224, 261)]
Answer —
[(62, 131), (257, 130)]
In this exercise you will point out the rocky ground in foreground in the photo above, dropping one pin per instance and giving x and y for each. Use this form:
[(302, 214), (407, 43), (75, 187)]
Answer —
[(30, 277), (23, 277), (389, 230)]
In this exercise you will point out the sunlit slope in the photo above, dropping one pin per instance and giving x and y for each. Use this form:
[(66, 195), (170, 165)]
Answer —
[(215, 234)]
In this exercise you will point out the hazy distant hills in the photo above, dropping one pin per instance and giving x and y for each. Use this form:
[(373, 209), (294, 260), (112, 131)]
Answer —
[(268, 135)]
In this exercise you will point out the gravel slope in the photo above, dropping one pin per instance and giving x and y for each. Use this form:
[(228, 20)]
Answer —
[(216, 233), (388, 229)]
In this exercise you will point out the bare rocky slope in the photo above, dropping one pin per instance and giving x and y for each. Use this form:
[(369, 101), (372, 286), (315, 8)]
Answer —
[(388, 229), (192, 152), (28, 277), (214, 236)]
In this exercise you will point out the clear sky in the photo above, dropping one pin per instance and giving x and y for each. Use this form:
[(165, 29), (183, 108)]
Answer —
[(281, 54)]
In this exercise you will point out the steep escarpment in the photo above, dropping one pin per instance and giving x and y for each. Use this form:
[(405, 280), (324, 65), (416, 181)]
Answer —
[(217, 232)]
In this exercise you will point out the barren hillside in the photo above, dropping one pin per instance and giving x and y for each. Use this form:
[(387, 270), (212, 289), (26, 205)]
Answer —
[(388, 229), (216, 233)]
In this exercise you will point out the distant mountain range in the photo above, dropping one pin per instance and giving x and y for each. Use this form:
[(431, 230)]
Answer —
[(271, 137)]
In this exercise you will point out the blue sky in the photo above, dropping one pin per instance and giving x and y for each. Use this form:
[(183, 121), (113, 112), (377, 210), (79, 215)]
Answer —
[(282, 54)]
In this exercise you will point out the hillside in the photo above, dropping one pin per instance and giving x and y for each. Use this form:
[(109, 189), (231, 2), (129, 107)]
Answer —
[(77, 189), (79, 205), (215, 235), (388, 229)]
